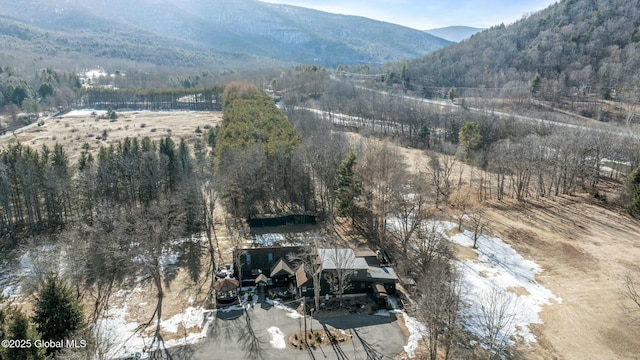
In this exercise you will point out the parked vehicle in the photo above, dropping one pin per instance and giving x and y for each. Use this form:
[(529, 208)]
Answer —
[(225, 271)]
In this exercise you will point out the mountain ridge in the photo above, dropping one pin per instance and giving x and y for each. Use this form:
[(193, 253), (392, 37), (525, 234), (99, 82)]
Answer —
[(454, 33), (288, 34)]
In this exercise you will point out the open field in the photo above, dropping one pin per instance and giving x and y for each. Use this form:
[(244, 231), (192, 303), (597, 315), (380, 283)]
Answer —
[(80, 126)]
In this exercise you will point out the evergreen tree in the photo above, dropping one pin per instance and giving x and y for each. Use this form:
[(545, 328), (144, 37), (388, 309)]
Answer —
[(58, 313), (452, 94), (347, 188), (633, 191), (535, 84), (470, 137), (20, 329)]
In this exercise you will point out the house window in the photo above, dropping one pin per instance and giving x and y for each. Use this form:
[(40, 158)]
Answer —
[(270, 256), (248, 258)]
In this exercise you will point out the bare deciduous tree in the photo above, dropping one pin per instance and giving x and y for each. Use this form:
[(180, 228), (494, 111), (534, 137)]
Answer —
[(497, 317), (439, 303), (439, 172), (338, 265), (478, 224), (382, 170), (632, 292), (463, 201), (408, 207)]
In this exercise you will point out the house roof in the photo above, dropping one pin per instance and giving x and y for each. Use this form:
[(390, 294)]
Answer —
[(365, 253), (281, 268), (379, 290), (301, 276), (261, 278), (381, 273), (333, 259), (226, 284)]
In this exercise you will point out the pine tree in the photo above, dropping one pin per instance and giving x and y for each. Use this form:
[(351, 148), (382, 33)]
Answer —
[(58, 313), (347, 188), (470, 137), (633, 191), (20, 329)]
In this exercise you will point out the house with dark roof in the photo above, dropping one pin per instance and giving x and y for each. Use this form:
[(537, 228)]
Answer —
[(279, 267), (367, 273), (273, 262)]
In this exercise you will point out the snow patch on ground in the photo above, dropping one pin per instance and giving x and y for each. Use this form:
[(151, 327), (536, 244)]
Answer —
[(118, 335), (86, 112), (31, 266), (267, 239), (417, 330), (277, 338), (291, 312), (500, 268), (190, 318), (121, 339)]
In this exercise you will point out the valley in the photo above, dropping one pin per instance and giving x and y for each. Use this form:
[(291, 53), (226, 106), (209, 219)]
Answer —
[(249, 180), (581, 247)]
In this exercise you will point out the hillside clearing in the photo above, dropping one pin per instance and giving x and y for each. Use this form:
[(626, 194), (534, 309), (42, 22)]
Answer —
[(584, 251), (85, 126)]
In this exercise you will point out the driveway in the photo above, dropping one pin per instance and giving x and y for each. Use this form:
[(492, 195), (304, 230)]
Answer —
[(240, 335)]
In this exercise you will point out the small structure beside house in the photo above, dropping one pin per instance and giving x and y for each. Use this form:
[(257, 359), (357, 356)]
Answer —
[(226, 292)]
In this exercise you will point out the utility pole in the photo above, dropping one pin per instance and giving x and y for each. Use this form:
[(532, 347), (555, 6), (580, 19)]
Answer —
[(304, 315)]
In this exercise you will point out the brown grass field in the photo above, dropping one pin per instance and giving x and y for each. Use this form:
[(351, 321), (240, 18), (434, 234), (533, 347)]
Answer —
[(585, 251), (76, 128)]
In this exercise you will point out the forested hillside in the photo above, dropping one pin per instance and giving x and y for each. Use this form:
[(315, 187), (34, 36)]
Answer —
[(574, 46), (195, 33)]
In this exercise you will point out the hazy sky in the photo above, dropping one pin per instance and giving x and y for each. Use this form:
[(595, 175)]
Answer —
[(429, 14)]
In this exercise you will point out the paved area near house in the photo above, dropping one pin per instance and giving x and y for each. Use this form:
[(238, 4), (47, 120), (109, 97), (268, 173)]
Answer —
[(234, 335)]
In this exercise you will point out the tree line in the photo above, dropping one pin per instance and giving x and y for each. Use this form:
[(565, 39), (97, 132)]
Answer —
[(197, 99)]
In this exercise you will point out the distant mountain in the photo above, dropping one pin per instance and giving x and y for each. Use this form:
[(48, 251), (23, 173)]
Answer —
[(195, 32), (454, 33), (573, 45)]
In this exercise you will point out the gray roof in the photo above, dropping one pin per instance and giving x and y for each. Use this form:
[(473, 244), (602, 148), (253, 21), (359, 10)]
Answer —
[(346, 259), (341, 259)]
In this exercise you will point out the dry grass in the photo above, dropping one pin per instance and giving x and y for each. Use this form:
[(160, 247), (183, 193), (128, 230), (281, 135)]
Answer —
[(585, 250), (72, 131)]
